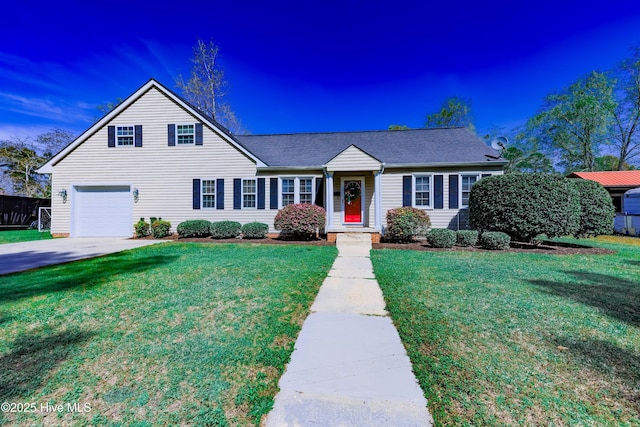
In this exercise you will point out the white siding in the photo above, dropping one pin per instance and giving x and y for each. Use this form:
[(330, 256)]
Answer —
[(353, 159), (162, 174), (440, 218)]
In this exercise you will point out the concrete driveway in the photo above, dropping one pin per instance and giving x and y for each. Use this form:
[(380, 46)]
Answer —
[(22, 256)]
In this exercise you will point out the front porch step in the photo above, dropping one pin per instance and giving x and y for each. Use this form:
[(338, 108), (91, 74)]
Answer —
[(354, 236)]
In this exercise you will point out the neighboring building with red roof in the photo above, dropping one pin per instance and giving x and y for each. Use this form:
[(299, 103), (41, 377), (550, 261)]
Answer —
[(616, 182)]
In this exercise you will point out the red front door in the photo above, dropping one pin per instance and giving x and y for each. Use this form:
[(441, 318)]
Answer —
[(352, 194)]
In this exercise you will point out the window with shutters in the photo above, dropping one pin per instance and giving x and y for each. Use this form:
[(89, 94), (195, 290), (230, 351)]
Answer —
[(208, 194), (422, 191), (185, 134), (124, 136), (249, 195), (297, 190), (466, 182)]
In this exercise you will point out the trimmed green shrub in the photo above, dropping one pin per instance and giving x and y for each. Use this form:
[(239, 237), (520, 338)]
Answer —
[(142, 228), (160, 228), (441, 238), (225, 229), (466, 237), (495, 240), (597, 210), (525, 205), (194, 228), (405, 224), (539, 239), (254, 230), (300, 221)]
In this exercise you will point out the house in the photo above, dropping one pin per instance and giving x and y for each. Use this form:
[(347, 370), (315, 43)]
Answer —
[(155, 155), (616, 183)]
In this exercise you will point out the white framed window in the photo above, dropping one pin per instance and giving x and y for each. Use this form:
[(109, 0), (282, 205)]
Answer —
[(208, 194), (306, 190), (249, 193), (466, 182), (185, 134), (423, 191), (124, 136), (297, 190)]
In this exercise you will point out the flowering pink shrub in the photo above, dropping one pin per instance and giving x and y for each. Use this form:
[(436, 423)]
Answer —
[(300, 220)]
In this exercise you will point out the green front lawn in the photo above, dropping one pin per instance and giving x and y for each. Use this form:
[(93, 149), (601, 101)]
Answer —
[(520, 339), (15, 236), (171, 334)]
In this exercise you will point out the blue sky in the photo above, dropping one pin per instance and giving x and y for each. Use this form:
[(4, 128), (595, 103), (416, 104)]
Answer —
[(308, 66)]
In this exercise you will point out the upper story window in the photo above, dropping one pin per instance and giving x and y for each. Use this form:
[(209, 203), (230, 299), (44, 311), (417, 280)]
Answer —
[(208, 193), (185, 134), (422, 191), (467, 182), (124, 136), (297, 190), (249, 197)]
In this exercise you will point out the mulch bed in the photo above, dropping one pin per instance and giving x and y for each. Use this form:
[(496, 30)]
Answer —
[(266, 241), (549, 248)]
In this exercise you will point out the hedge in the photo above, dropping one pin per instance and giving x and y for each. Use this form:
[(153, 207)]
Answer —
[(466, 237), (525, 205), (597, 210), (301, 220), (194, 228), (142, 228), (495, 240), (441, 238), (405, 224), (225, 229), (254, 230), (160, 228)]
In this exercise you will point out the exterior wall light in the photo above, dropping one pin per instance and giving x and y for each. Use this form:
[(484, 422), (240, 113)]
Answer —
[(63, 194), (136, 195)]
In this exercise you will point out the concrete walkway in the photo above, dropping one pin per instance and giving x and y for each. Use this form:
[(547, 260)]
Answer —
[(349, 367), (22, 256)]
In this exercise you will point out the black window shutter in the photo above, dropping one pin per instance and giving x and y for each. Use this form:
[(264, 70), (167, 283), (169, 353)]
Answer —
[(219, 193), (111, 136), (273, 193), (438, 190), (484, 175), (198, 133), (172, 135), (261, 191), (196, 194), (237, 193), (407, 195), (319, 193), (453, 191), (138, 133)]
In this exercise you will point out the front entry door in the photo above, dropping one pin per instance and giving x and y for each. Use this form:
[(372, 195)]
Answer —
[(352, 199)]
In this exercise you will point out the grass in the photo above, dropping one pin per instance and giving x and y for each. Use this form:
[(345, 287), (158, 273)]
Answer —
[(520, 339), (172, 334), (16, 236)]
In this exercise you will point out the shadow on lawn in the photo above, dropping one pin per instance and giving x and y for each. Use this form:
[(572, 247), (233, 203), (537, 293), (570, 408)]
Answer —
[(76, 275), (32, 360), (609, 359), (616, 297)]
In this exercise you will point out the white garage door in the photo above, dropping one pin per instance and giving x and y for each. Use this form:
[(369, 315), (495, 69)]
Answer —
[(102, 211)]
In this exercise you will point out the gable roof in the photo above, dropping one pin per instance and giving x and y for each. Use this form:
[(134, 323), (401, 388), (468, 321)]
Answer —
[(414, 147), (611, 178), (215, 126)]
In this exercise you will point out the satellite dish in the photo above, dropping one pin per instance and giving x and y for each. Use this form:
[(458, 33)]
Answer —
[(499, 143)]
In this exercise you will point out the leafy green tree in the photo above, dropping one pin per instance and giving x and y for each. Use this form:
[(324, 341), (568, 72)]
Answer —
[(625, 127), (454, 112), (206, 86), (398, 127), (573, 123), (19, 162)]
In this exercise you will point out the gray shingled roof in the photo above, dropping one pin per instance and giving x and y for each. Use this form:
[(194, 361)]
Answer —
[(398, 147)]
